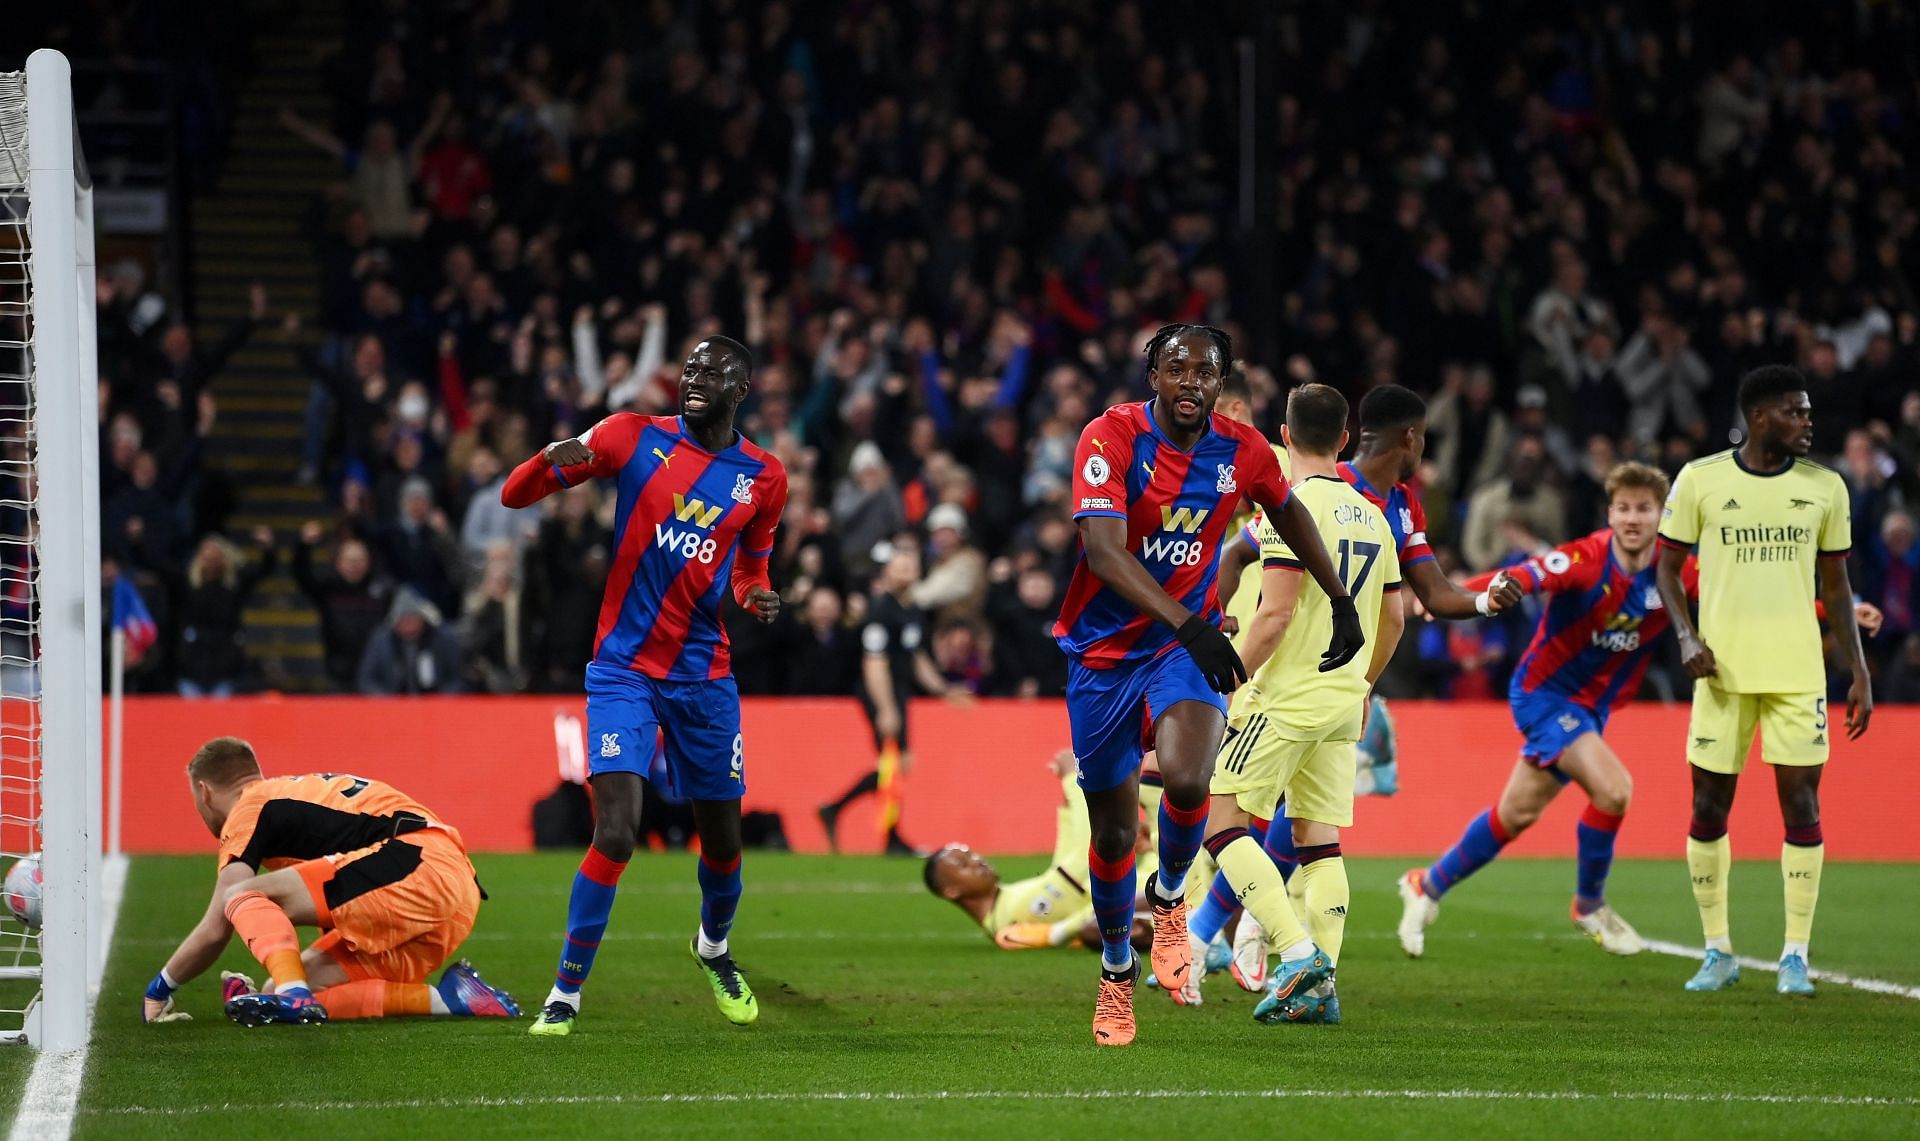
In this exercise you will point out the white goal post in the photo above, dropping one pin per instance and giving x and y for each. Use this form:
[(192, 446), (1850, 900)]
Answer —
[(50, 609)]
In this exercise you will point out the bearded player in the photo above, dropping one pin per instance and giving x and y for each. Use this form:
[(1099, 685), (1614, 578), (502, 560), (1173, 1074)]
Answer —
[(698, 504), (1766, 523), (386, 881), (1155, 487)]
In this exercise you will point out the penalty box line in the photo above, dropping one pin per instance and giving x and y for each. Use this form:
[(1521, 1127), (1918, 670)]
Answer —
[(884, 1096), (1857, 982)]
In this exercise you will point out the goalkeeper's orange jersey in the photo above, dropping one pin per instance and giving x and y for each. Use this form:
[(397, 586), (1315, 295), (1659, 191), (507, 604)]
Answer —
[(280, 821)]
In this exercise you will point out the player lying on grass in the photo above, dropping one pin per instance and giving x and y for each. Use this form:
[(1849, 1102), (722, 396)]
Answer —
[(386, 881), (1293, 728), (1596, 635), (1048, 910)]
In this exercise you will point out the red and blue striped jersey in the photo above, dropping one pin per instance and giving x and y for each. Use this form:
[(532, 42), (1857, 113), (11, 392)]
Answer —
[(1178, 506), (684, 513), (1406, 516), (1597, 632)]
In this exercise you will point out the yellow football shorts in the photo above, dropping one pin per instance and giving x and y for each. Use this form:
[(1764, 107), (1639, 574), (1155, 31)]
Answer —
[(1263, 759), (1793, 728)]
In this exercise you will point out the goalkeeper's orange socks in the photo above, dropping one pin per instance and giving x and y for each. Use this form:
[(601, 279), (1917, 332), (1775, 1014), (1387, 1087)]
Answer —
[(270, 937), (377, 998)]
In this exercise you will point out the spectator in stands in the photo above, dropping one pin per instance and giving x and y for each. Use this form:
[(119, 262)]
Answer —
[(352, 601), (1518, 516), (906, 251), (418, 550), (413, 653), (866, 507), (210, 653), (1469, 430), (494, 629), (821, 653), (955, 586), (1027, 661), (1664, 380)]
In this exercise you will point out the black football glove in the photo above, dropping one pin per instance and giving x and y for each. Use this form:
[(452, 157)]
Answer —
[(1347, 638), (1213, 653)]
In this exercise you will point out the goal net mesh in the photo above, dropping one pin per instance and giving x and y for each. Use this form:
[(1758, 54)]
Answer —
[(20, 739)]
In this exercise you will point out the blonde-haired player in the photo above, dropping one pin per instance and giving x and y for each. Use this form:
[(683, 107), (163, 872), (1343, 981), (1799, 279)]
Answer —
[(1292, 729)]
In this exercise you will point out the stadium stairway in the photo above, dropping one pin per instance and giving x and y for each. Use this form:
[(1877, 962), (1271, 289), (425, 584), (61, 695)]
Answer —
[(251, 227)]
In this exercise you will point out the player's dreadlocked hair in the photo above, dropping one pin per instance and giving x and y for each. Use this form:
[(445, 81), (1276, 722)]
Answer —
[(1169, 332)]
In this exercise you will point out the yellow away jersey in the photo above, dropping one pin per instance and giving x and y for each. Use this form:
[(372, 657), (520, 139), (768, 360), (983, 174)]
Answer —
[(1760, 536), (1291, 688)]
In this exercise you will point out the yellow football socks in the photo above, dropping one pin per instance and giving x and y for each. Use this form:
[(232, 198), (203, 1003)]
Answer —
[(1327, 897), (1257, 883), (1800, 873), (1709, 862)]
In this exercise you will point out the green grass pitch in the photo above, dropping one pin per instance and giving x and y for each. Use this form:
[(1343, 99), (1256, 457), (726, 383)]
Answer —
[(885, 1014)]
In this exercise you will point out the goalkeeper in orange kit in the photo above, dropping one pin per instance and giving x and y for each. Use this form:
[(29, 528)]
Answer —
[(386, 881)]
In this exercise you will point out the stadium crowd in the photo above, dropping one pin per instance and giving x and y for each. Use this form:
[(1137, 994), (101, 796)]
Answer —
[(946, 231)]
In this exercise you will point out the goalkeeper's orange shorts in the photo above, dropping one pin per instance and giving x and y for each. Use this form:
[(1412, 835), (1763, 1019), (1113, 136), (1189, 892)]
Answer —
[(395, 910)]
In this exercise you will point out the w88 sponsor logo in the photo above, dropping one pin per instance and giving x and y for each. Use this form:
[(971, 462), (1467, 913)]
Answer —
[(686, 544), (1617, 641), (1176, 552)]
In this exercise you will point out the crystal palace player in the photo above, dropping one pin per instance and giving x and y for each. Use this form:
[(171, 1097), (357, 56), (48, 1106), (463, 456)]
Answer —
[(698, 506), (1595, 638), (1154, 493), (1763, 518)]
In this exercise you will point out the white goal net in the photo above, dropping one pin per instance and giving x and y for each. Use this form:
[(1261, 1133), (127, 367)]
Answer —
[(49, 564)]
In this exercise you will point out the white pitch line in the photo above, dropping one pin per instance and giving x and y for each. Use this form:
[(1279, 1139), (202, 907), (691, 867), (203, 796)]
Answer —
[(53, 1088), (1876, 986), (886, 1096)]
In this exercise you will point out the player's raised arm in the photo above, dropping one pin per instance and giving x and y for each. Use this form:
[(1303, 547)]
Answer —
[(598, 452)]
